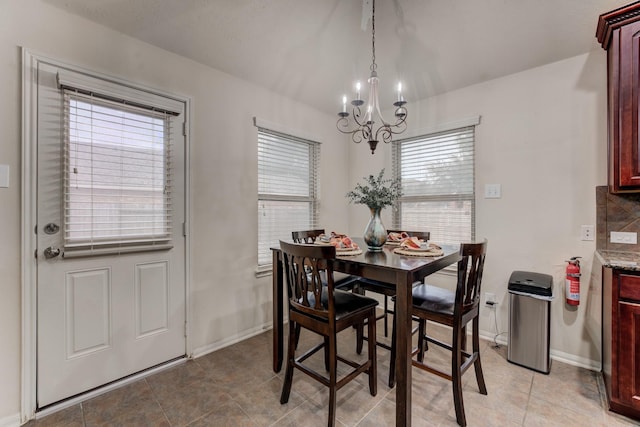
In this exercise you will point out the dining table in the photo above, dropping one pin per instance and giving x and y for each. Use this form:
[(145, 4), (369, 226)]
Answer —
[(385, 266)]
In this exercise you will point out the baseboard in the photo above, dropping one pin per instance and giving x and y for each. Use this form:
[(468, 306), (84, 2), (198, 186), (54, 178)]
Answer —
[(491, 337), (560, 356), (572, 359), (209, 348), (10, 421)]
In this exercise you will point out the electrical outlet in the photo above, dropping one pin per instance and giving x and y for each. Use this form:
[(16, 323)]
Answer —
[(622, 237), (588, 232), (489, 298)]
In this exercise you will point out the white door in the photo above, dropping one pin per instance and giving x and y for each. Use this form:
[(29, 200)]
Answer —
[(111, 268)]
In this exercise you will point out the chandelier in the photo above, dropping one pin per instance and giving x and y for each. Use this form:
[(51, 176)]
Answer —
[(368, 123)]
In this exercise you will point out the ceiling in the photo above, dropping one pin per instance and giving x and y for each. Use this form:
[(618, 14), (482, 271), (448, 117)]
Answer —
[(315, 50)]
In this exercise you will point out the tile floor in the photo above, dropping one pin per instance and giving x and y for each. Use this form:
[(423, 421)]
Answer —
[(236, 387)]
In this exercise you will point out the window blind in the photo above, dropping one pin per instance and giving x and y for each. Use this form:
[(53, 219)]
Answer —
[(117, 176), (437, 175), (287, 188)]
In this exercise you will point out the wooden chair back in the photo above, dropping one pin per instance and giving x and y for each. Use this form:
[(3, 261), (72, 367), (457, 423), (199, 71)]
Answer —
[(306, 236), (470, 269), (424, 235), (305, 267)]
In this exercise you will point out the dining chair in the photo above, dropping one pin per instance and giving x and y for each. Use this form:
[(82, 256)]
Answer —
[(386, 289), (326, 311), (306, 236), (456, 310), (341, 280)]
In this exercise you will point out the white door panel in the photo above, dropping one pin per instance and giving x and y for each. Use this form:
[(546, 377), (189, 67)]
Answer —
[(100, 318)]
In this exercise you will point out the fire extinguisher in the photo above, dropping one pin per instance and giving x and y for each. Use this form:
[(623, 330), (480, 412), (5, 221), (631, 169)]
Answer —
[(572, 282)]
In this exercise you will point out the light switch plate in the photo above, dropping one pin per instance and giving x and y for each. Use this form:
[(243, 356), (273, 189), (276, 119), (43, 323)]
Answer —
[(622, 237), (492, 191), (4, 176)]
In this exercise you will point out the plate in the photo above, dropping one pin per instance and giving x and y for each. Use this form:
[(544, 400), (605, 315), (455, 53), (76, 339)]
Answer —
[(392, 242), (432, 252), (427, 249), (348, 251)]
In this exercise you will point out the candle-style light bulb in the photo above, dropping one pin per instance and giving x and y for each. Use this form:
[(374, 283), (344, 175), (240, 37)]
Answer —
[(344, 103), (399, 91), (357, 91)]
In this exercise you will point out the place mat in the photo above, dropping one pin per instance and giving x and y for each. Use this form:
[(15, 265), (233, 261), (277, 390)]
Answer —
[(348, 251), (409, 252)]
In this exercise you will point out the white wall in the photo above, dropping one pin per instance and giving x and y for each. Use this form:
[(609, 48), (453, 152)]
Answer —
[(227, 301), (543, 137)]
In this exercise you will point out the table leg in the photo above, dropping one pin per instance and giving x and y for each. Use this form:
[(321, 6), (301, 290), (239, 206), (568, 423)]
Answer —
[(277, 283), (402, 318)]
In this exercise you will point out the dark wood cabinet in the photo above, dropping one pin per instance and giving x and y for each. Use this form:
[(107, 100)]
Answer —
[(619, 33), (621, 340)]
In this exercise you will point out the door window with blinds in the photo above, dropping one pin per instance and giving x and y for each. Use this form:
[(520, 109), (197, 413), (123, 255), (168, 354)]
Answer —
[(287, 188), (436, 172), (117, 174)]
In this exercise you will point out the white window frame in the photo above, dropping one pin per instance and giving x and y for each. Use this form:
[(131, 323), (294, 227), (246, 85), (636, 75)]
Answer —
[(72, 81), (429, 136), (102, 140), (275, 136)]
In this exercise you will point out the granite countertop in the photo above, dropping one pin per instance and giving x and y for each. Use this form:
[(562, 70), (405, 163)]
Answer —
[(620, 260)]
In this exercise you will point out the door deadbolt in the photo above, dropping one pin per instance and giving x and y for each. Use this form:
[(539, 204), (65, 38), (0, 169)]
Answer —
[(51, 228)]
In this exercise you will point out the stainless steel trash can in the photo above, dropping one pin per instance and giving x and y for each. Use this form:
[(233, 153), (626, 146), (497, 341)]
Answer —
[(530, 296)]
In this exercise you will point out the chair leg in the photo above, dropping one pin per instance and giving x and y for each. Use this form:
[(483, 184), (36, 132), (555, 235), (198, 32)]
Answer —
[(476, 349), (333, 361), (297, 335), (327, 354), (386, 311), (422, 340), (392, 361), (463, 338), (288, 376), (456, 374), (359, 337), (373, 369), (356, 290)]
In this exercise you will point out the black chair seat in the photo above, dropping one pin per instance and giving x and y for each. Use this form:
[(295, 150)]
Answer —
[(434, 299), (345, 303)]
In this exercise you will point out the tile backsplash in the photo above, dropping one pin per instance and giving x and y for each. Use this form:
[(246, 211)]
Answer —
[(616, 212)]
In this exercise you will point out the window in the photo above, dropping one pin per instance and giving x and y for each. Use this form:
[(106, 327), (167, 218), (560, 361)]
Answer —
[(287, 188), (436, 172), (117, 192)]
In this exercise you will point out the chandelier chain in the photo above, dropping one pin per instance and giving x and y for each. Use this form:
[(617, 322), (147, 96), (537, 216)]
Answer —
[(373, 37)]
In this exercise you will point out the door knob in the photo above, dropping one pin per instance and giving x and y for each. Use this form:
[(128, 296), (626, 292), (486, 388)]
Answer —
[(51, 252)]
